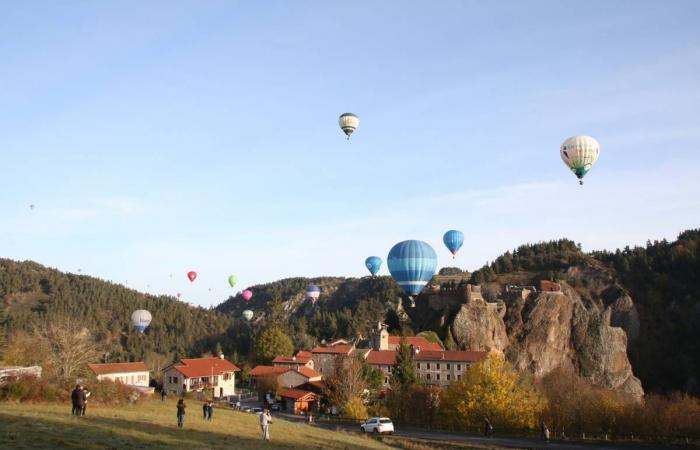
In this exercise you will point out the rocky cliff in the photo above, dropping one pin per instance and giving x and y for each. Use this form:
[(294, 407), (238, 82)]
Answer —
[(584, 326)]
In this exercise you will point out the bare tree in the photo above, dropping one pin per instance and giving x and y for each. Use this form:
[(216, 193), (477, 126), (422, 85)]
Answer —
[(71, 346), (347, 381)]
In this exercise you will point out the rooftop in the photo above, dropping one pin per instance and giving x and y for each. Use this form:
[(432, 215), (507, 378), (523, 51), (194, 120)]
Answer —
[(308, 373), (416, 341), (340, 349), (102, 369), (203, 367), (297, 394), (262, 371)]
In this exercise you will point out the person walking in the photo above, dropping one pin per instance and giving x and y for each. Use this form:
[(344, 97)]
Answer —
[(76, 397), (265, 421), (210, 410), (545, 432), (488, 428), (205, 410), (181, 412)]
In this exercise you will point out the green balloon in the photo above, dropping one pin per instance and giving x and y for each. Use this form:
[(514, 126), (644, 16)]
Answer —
[(232, 280)]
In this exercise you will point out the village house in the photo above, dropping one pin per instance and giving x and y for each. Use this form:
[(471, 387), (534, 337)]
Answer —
[(435, 366), (130, 373), (301, 359), (284, 376), (298, 401), (324, 357), (213, 376)]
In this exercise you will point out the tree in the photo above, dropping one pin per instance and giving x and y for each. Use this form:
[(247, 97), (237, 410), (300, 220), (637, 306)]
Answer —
[(347, 382), (3, 333), (271, 343), (450, 343), (403, 371), (71, 347), (493, 389)]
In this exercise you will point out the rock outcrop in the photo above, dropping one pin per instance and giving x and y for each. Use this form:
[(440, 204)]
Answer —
[(584, 326)]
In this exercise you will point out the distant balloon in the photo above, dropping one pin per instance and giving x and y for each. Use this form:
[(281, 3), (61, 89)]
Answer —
[(247, 295), (209, 289), (453, 240), (140, 319), (32, 207), (247, 314), (171, 275), (178, 295), (80, 270), (373, 263), (580, 153), (348, 123), (232, 280), (313, 292), (412, 264), (192, 275)]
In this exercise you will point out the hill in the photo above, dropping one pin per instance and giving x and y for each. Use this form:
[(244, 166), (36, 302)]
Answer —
[(152, 425)]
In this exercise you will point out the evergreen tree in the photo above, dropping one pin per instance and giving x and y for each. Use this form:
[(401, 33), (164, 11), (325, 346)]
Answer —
[(403, 373)]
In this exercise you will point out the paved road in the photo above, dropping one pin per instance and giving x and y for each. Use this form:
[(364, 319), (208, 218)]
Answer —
[(506, 442)]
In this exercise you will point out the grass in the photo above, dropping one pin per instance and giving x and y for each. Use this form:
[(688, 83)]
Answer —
[(153, 425)]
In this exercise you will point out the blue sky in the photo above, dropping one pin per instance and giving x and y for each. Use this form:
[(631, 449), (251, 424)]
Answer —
[(162, 137)]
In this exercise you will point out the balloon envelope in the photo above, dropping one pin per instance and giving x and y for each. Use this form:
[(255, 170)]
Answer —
[(373, 263), (232, 280), (313, 291), (580, 153), (453, 240), (192, 275), (247, 314), (247, 294), (348, 123), (140, 319), (412, 264)]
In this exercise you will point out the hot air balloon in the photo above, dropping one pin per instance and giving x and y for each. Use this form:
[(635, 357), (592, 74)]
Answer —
[(580, 153), (373, 263), (32, 207), (192, 275), (140, 319), (348, 123), (178, 295), (453, 239), (232, 280), (412, 264), (247, 295), (313, 292), (247, 315)]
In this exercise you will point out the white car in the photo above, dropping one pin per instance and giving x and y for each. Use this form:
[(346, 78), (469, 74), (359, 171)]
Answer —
[(377, 425)]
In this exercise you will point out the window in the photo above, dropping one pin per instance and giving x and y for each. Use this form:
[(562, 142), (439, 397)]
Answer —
[(459, 377), (459, 367), (448, 377), (418, 366), (427, 376), (448, 367), (428, 365), (227, 376), (438, 366), (386, 380), (437, 377)]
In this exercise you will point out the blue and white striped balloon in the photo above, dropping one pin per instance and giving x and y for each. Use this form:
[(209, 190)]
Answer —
[(313, 292), (373, 263), (412, 264)]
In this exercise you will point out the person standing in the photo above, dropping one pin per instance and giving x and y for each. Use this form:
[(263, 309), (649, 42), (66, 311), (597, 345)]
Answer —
[(181, 412), (205, 410), (76, 396), (488, 428), (210, 407), (86, 394), (545, 432), (265, 421)]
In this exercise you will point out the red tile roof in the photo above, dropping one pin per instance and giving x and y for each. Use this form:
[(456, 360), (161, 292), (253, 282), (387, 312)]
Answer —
[(202, 367), (416, 341), (318, 384), (450, 355), (263, 371), (101, 369), (337, 349), (381, 357), (292, 359), (308, 373), (304, 354), (298, 394)]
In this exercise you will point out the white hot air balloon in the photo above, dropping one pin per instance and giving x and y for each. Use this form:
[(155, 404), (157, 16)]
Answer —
[(140, 319), (348, 123), (580, 153), (247, 315)]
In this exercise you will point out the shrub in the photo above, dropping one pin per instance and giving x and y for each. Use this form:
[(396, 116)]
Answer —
[(27, 388), (355, 410)]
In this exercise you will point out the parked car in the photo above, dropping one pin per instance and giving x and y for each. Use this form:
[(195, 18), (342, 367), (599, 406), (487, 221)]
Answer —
[(275, 407), (247, 409), (257, 410), (377, 425)]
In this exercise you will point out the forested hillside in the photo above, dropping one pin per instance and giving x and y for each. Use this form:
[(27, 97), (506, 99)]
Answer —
[(32, 294)]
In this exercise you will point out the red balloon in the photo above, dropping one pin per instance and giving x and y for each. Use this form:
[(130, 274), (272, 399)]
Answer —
[(247, 294), (192, 275)]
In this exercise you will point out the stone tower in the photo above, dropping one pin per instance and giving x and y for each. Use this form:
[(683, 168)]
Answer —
[(380, 337)]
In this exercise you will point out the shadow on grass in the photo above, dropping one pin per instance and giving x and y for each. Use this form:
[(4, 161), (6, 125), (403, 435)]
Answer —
[(26, 432)]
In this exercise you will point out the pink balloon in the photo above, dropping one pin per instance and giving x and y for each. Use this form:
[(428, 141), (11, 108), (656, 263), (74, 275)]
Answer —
[(247, 294), (192, 275)]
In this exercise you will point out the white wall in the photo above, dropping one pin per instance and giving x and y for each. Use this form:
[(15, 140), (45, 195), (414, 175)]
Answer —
[(141, 378)]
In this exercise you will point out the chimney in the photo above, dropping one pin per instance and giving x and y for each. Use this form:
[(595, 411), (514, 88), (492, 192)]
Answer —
[(221, 356), (294, 358)]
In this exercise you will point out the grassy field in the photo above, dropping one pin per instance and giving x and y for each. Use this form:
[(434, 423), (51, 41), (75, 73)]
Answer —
[(153, 425)]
